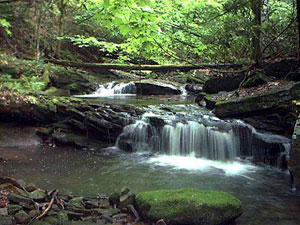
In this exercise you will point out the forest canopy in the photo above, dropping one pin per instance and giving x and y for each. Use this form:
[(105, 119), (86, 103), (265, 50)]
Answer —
[(162, 31)]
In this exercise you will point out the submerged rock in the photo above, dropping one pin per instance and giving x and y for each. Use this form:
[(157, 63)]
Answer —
[(189, 206)]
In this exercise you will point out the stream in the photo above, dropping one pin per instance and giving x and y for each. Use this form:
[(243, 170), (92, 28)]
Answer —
[(159, 159)]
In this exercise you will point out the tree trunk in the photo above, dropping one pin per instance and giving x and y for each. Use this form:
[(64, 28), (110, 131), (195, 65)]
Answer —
[(256, 9), (298, 19), (62, 13), (39, 15), (128, 67)]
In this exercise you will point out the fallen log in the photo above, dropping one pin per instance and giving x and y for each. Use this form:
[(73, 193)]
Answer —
[(128, 67)]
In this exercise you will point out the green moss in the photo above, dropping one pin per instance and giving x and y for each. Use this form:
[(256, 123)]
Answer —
[(12, 209), (76, 202), (188, 206)]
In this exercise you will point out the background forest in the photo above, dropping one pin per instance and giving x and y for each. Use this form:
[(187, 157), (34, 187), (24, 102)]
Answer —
[(150, 31)]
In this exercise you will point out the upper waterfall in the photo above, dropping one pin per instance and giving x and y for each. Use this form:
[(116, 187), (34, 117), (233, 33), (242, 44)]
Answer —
[(113, 88)]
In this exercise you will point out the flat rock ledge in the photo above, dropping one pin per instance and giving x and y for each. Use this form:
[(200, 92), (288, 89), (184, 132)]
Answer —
[(188, 206), (68, 121)]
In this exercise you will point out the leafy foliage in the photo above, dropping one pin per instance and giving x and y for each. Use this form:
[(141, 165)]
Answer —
[(5, 24), (169, 31)]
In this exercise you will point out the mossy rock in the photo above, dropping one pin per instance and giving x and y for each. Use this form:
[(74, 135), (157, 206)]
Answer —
[(189, 206), (52, 91)]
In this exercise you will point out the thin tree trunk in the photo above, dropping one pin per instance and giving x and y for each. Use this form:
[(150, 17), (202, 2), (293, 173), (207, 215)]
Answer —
[(38, 31), (298, 19), (256, 9), (62, 10)]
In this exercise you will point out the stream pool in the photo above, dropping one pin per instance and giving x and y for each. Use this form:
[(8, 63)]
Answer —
[(264, 191)]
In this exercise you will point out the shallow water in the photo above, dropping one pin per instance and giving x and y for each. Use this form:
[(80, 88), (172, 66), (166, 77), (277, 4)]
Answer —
[(262, 190)]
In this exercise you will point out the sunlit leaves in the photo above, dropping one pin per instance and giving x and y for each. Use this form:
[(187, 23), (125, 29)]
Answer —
[(4, 23)]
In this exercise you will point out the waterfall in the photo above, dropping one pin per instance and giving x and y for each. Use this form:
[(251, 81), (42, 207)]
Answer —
[(114, 88), (206, 137)]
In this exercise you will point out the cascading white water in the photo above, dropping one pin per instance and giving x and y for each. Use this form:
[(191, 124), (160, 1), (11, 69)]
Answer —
[(195, 138), (113, 88), (207, 137)]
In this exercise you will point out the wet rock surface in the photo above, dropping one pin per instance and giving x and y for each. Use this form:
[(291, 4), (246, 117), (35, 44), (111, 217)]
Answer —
[(150, 88), (222, 83), (70, 121), (57, 208), (266, 107)]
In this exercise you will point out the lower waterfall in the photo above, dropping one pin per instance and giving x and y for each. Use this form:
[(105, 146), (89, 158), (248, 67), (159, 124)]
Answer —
[(202, 137)]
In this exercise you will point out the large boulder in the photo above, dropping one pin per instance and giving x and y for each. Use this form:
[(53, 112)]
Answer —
[(269, 110), (256, 103), (154, 88), (282, 68), (188, 206), (222, 83)]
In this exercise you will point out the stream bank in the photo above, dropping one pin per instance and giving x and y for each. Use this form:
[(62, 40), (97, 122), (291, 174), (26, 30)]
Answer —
[(28, 204)]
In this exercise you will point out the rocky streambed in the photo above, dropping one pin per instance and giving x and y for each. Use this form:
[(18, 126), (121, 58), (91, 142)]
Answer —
[(22, 203), (68, 121)]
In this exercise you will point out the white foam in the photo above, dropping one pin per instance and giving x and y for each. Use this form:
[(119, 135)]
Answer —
[(192, 163)]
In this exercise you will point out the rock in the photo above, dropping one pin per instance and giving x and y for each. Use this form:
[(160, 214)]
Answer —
[(74, 215), (22, 217), (125, 144), (101, 222), (193, 89), (52, 91), (63, 217), (106, 212), (114, 199), (189, 206), (104, 205), (222, 83), (200, 97), (18, 198), (124, 191), (3, 212), (160, 222), (52, 220), (21, 182), (254, 104), (133, 211), (255, 80), (145, 88), (12, 209), (8, 180), (76, 202), (281, 68), (13, 189), (31, 187), (127, 199), (108, 219), (6, 220), (91, 204), (36, 222), (120, 216), (33, 213), (38, 195), (156, 122)]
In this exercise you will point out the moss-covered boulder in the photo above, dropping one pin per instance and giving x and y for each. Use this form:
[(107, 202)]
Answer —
[(189, 206)]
